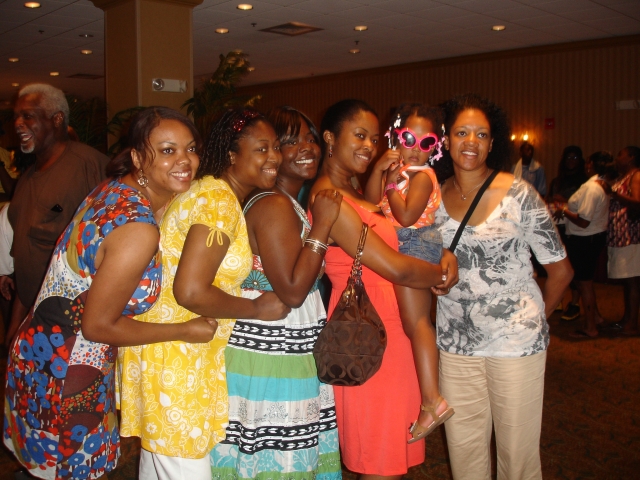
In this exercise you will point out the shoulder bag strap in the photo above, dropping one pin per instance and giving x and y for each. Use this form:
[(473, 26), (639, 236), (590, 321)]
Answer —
[(356, 269), (472, 207)]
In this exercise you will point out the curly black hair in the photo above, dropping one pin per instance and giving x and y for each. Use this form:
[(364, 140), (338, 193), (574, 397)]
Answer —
[(223, 138), (499, 157)]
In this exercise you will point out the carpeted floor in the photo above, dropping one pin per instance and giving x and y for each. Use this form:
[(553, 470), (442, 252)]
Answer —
[(591, 423)]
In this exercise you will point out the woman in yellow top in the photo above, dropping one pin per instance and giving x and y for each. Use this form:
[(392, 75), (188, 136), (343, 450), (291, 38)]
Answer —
[(173, 395)]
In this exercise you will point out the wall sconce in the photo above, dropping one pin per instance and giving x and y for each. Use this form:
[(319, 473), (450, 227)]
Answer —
[(525, 137)]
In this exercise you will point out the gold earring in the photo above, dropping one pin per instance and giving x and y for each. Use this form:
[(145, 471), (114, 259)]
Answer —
[(142, 180)]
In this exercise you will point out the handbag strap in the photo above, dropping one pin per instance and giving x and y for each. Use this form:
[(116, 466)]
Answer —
[(356, 269), (472, 207)]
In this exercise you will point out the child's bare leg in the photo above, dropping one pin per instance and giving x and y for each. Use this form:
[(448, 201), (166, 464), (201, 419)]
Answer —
[(415, 306)]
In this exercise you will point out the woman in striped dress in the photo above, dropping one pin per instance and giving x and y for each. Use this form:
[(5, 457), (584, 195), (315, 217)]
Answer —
[(282, 420)]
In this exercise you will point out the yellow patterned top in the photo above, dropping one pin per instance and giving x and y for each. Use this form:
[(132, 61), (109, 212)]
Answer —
[(173, 395)]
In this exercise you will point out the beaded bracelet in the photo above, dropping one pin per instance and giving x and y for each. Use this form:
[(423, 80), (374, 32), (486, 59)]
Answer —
[(391, 186)]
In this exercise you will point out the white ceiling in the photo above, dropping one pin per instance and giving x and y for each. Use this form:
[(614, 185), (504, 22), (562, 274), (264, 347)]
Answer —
[(400, 31)]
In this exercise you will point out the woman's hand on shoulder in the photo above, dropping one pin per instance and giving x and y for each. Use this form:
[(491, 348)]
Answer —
[(200, 330), (449, 264), (269, 307), (326, 207)]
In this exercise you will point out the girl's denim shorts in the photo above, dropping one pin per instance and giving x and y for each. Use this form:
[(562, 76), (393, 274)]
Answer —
[(424, 243)]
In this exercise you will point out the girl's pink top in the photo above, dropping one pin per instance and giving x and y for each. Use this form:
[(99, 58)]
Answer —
[(428, 216)]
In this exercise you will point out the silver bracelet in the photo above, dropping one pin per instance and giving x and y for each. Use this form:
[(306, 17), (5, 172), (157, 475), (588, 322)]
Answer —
[(316, 246)]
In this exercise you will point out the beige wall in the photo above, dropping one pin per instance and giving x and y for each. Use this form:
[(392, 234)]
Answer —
[(576, 84), (147, 39)]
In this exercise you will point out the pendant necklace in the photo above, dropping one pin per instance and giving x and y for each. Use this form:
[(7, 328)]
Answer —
[(463, 196)]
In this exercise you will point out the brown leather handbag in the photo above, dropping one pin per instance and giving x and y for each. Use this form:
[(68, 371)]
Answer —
[(350, 347)]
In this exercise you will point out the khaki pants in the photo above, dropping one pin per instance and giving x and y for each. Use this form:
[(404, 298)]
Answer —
[(504, 391)]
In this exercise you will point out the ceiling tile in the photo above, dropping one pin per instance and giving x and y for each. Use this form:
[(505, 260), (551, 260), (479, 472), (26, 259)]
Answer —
[(327, 7), (81, 11), (433, 29), (543, 22), (616, 25)]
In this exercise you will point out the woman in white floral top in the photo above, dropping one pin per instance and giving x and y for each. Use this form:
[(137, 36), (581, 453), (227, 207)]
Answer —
[(492, 328)]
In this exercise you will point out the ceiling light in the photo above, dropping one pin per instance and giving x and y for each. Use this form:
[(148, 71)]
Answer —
[(251, 69), (222, 30), (244, 6), (85, 35), (354, 50), (32, 5), (86, 52), (15, 84), (498, 28), (54, 74), (360, 28), (13, 59)]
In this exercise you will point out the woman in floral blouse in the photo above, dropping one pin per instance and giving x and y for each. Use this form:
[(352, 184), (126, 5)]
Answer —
[(60, 418), (492, 328)]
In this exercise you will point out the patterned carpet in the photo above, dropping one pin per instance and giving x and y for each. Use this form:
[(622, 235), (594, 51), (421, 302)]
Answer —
[(591, 422)]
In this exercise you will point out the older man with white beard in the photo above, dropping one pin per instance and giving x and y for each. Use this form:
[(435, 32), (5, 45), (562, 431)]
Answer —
[(47, 193)]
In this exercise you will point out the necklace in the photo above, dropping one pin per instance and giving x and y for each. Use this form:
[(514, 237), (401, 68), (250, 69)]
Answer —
[(463, 196)]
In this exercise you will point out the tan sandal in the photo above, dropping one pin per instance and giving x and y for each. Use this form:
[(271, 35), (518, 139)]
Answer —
[(418, 432)]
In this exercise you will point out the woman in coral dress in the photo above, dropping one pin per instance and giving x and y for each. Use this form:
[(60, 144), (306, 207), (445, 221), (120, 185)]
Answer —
[(374, 418)]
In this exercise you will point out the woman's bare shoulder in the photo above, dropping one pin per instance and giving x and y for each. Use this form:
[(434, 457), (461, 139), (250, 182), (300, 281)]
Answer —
[(504, 180)]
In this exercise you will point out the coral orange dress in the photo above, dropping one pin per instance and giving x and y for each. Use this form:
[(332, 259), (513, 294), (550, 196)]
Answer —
[(374, 418)]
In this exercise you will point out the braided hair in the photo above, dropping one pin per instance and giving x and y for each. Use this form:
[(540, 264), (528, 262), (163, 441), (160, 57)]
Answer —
[(223, 138)]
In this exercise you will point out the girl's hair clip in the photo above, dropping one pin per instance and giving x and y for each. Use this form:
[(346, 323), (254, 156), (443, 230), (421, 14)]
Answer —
[(389, 134)]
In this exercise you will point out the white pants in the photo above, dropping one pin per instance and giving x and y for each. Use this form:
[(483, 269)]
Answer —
[(154, 466), (505, 392)]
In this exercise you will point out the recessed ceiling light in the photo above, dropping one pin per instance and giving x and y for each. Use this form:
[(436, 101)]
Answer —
[(13, 59), (54, 74), (32, 5), (251, 69), (15, 84), (86, 35), (222, 30), (354, 50), (498, 28), (86, 52), (244, 6), (360, 28)]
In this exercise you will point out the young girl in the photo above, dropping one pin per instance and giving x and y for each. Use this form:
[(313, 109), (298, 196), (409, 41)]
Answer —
[(407, 190)]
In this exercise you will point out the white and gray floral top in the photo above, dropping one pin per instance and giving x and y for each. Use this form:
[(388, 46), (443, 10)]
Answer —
[(496, 309)]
